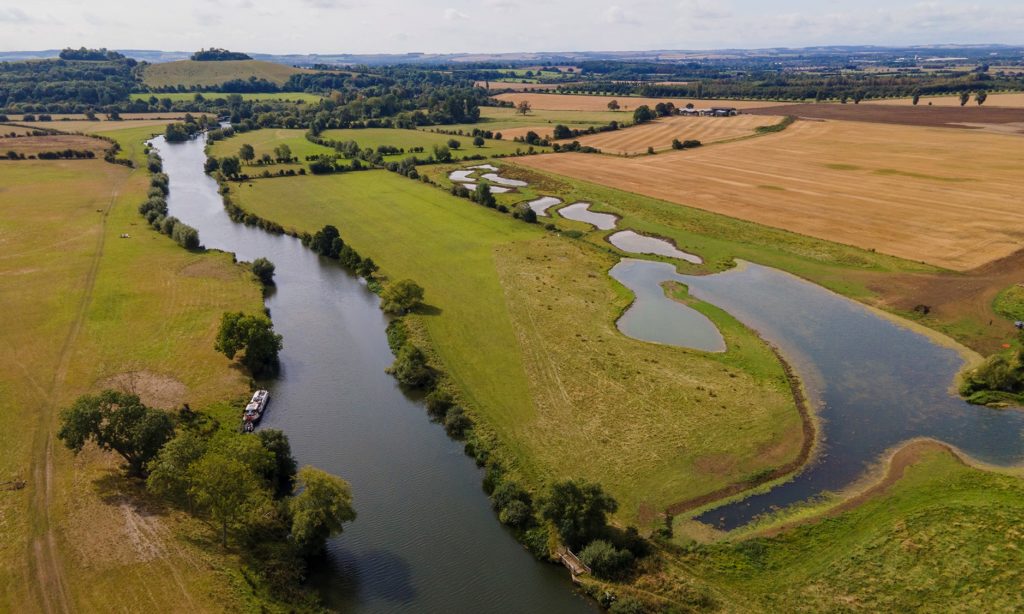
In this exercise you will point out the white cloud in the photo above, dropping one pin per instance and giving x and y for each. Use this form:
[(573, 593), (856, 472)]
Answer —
[(454, 15), (616, 15), (14, 15)]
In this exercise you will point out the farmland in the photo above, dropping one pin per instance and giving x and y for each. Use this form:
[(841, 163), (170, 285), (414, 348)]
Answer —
[(264, 141), (571, 102), (406, 139), (82, 306), (557, 371), (1011, 99), (660, 133), (301, 97), (190, 73), (34, 145), (512, 124), (861, 184)]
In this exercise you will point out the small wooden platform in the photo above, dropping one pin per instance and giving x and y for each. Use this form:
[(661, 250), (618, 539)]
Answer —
[(572, 562)]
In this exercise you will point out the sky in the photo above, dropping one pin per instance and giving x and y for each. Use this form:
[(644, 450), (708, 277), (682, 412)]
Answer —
[(449, 26)]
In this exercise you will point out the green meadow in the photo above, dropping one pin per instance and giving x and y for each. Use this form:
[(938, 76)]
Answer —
[(523, 321)]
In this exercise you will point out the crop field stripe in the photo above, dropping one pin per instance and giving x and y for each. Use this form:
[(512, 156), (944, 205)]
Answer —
[(945, 197)]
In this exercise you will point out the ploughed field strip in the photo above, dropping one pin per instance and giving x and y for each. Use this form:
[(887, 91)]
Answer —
[(660, 133), (947, 116), (946, 197), (34, 145)]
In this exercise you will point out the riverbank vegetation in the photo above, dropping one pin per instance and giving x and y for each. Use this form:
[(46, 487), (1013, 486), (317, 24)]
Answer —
[(558, 371)]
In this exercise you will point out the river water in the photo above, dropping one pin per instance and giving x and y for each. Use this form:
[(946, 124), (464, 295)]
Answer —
[(874, 383), (425, 539)]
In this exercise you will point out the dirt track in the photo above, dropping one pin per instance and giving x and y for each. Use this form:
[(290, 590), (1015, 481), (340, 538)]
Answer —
[(946, 197), (945, 116)]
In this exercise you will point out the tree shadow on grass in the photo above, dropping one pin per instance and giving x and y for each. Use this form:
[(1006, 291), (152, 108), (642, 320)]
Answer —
[(428, 310)]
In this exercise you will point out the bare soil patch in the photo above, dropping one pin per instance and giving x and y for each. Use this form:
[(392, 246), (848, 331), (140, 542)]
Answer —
[(950, 117), (946, 197), (155, 389)]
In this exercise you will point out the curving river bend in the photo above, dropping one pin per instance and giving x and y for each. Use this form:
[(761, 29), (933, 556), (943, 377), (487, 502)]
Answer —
[(425, 539)]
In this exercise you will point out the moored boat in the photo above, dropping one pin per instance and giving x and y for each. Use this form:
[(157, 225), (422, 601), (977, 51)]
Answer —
[(254, 410)]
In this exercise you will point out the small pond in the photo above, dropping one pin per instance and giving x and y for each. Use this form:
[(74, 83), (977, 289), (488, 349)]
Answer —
[(581, 213), (542, 204), (629, 241)]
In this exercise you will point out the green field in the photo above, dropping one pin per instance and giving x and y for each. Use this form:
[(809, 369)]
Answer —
[(942, 538), (545, 370), (206, 74), (374, 137), (264, 141), (82, 306), (302, 97)]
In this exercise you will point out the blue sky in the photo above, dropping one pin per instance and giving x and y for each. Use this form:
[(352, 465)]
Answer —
[(398, 26)]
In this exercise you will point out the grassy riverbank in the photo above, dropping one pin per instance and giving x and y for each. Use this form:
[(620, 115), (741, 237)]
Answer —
[(87, 309), (524, 322), (933, 533)]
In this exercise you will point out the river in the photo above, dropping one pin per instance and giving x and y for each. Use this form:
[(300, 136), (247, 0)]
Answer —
[(425, 539)]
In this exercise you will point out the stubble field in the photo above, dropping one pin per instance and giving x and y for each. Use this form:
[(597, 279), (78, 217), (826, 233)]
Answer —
[(572, 102), (660, 133), (945, 197)]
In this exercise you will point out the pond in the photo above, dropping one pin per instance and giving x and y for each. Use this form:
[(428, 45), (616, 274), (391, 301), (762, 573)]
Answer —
[(581, 213), (636, 243)]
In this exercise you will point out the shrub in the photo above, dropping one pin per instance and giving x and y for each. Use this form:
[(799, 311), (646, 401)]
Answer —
[(628, 605), (411, 368), (264, 271), (457, 423), (186, 236), (605, 560), (401, 296), (438, 403)]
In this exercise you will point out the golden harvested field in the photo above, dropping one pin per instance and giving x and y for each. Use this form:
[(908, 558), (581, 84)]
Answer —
[(1015, 99), (659, 133), (946, 197), (570, 102), (32, 145)]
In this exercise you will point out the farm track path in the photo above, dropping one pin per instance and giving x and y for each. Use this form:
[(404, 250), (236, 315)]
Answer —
[(44, 554)]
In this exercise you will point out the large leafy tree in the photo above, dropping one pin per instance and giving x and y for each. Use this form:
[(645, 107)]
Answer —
[(320, 509), (252, 334), (119, 422), (401, 296), (579, 511), (226, 488)]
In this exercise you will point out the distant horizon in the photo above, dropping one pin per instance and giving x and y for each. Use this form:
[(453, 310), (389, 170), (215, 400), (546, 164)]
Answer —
[(929, 46), (505, 26)]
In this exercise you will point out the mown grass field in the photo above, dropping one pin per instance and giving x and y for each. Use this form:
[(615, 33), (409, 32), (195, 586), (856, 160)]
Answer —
[(543, 368), (511, 124), (942, 537), (82, 306), (264, 141), (945, 197), (302, 97), (206, 74), (406, 139)]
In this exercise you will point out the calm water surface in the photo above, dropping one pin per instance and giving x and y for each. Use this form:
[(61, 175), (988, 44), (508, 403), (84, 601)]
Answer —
[(875, 383), (425, 539)]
